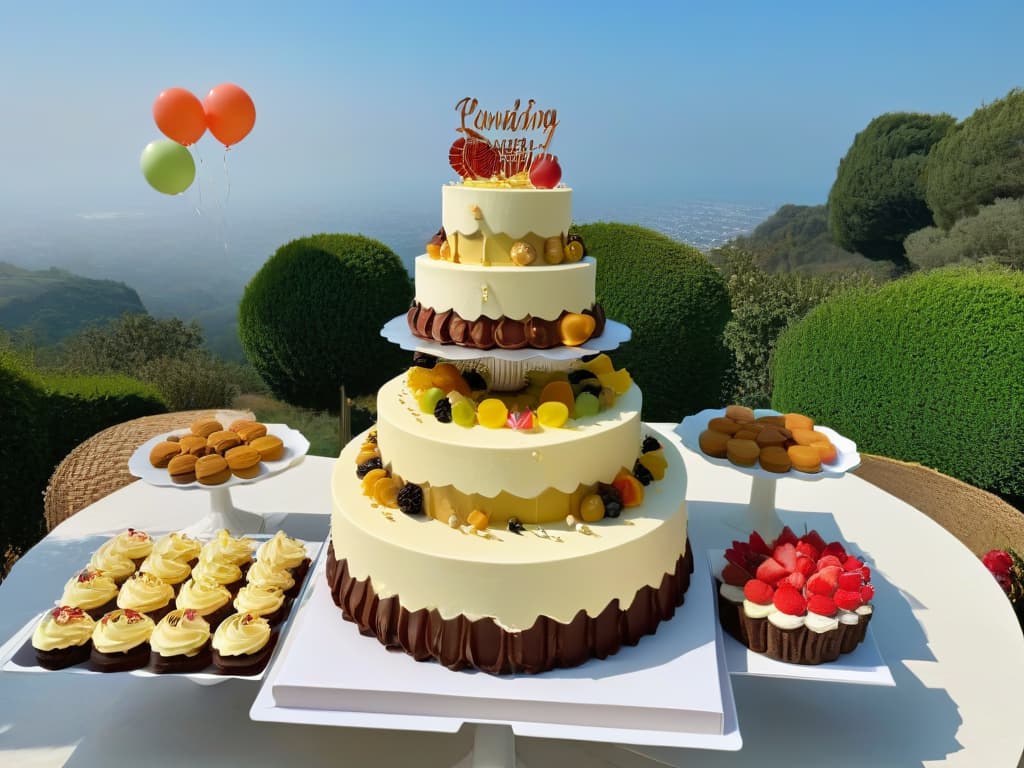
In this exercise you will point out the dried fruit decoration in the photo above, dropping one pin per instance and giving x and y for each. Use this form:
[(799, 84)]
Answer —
[(473, 157), (65, 614)]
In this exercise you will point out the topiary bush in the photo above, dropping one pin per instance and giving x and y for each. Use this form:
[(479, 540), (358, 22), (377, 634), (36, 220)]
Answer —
[(979, 161), (310, 319), (677, 305), (995, 233), (927, 368)]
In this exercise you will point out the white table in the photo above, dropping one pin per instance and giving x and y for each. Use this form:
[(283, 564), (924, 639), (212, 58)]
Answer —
[(942, 624)]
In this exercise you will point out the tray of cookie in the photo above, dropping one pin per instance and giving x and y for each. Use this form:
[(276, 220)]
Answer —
[(173, 605)]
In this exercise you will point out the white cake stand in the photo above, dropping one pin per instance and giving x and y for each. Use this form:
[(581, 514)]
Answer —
[(223, 513), (761, 512)]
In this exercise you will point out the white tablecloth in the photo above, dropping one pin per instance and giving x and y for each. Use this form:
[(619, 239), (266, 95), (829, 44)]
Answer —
[(941, 623)]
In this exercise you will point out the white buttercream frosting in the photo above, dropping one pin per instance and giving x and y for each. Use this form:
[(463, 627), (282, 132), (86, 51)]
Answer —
[(819, 624), (732, 593), (756, 610), (785, 620), (469, 210), (848, 617)]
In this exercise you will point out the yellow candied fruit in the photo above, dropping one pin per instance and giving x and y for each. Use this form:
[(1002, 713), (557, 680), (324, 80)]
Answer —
[(447, 377), (600, 364), (576, 328), (434, 250), (552, 414), (620, 380), (370, 478), (558, 392), (573, 250), (365, 454), (385, 492), (592, 508), (420, 379), (655, 463), (553, 253), (492, 413), (478, 519), (630, 489)]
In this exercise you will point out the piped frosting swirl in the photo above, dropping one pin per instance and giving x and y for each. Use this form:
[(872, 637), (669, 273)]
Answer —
[(241, 634), (121, 630), (182, 632), (63, 627)]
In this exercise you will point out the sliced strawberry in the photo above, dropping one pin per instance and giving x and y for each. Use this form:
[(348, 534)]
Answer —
[(867, 593), (795, 579), (823, 605), (829, 561), (735, 556), (819, 585), (835, 548), (866, 573), (786, 555), (850, 580), (733, 574), (807, 550), (756, 591), (847, 600), (789, 600), (852, 563), (786, 537), (814, 539), (770, 571), (804, 565), (758, 544)]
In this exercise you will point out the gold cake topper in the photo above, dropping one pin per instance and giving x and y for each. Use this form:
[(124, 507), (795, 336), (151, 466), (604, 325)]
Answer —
[(500, 143)]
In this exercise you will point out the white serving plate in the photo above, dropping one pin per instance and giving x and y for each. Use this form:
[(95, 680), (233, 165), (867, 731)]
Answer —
[(864, 665), (396, 330), (329, 674), (295, 447), (17, 654), (847, 457)]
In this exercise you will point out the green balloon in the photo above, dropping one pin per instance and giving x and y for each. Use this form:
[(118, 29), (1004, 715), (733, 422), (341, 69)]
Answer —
[(167, 166)]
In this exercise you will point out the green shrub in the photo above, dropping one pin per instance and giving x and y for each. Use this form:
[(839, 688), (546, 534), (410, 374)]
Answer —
[(978, 162), (127, 344), (309, 320), (995, 233), (927, 368), (677, 305), (195, 380), (878, 196), (763, 305)]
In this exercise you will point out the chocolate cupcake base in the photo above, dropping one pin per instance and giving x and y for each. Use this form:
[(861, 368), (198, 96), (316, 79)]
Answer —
[(61, 658), (136, 658), (97, 613), (247, 664), (181, 663)]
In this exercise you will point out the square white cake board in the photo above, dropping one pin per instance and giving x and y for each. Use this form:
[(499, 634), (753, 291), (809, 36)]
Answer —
[(864, 665), (670, 690)]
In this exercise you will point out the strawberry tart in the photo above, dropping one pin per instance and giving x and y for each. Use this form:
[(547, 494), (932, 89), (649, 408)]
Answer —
[(799, 600)]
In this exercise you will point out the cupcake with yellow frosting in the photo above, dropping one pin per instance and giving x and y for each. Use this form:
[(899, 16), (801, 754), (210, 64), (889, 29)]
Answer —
[(180, 642), (167, 569), (223, 548), (112, 563), (264, 574), (120, 641), (147, 594), (92, 591), (133, 544), (178, 546), (63, 637), (209, 599), (242, 644), (226, 574), (268, 602), (282, 551)]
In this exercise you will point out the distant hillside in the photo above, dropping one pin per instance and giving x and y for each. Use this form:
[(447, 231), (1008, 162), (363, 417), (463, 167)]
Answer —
[(53, 304), (796, 239)]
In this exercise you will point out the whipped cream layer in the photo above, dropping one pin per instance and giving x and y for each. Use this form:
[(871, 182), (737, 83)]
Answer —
[(815, 622)]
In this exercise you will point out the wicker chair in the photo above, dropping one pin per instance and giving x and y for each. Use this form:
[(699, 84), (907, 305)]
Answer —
[(977, 518), (99, 465)]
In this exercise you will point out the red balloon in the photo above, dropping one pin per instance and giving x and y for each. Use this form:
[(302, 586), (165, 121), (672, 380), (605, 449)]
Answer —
[(230, 113), (179, 115)]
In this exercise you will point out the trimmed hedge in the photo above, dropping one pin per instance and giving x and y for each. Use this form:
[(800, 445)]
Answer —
[(44, 418), (929, 368), (310, 319), (677, 305)]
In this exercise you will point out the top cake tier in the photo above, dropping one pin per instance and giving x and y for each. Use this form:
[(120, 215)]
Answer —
[(483, 223)]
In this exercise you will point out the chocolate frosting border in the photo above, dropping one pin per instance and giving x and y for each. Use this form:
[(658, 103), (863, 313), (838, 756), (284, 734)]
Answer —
[(449, 327), (459, 643)]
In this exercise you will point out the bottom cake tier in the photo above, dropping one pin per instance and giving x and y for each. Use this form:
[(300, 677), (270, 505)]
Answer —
[(506, 602)]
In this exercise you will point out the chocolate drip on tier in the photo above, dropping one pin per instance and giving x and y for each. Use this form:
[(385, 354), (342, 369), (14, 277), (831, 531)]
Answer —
[(485, 333), (482, 644)]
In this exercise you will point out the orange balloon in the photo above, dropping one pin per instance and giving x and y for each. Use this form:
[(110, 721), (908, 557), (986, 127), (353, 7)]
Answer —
[(179, 115), (230, 113)]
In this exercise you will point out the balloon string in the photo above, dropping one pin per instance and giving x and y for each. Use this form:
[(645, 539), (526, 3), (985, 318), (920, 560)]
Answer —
[(227, 197), (199, 182)]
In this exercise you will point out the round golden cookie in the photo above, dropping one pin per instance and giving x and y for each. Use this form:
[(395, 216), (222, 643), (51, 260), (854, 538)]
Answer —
[(205, 427), (743, 453), (747, 432), (806, 436), (244, 461), (223, 441), (249, 432), (799, 421), (193, 444), (774, 421), (772, 435), (161, 454), (739, 413), (182, 468), (805, 458), (774, 458), (237, 423), (721, 424), (212, 469), (713, 443), (270, 447)]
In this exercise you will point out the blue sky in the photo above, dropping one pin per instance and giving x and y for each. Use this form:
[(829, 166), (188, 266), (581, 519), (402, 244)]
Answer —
[(657, 102)]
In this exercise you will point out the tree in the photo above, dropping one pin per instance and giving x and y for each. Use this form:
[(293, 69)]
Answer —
[(310, 319), (994, 234), (981, 160), (126, 345), (878, 196)]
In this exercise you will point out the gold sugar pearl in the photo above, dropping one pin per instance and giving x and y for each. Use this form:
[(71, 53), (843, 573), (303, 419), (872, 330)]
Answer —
[(523, 254)]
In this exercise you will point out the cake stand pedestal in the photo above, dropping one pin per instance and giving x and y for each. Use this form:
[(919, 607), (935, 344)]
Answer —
[(761, 511), (494, 746), (223, 514)]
